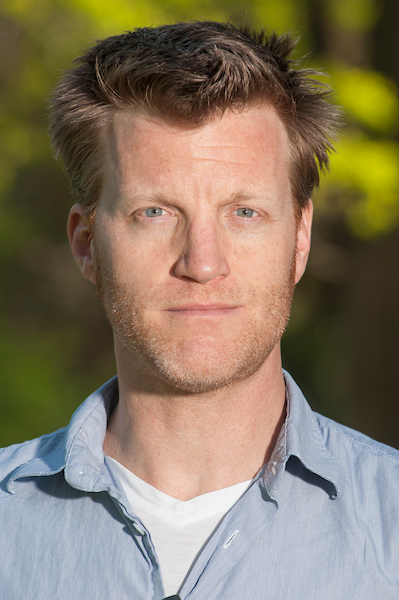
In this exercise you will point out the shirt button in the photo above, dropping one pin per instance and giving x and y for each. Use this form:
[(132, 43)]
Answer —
[(138, 528)]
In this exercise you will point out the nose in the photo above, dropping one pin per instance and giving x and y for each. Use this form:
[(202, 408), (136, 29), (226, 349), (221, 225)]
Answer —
[(202, 258)]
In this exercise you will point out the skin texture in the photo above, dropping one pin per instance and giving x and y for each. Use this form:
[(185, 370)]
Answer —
[(195, 253)]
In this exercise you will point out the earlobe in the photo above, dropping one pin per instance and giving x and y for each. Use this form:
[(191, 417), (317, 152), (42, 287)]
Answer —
[(304, 234), (80, 240)]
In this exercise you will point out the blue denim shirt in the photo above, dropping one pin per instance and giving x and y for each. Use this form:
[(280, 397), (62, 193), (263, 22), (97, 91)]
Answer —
[(319, 522)]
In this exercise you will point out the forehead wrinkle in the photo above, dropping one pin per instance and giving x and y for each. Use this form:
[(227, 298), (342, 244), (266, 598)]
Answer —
[(205, 159), (213, 152)]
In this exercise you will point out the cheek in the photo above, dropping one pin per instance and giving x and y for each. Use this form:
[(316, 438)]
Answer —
[(138, 267), (271, 264)]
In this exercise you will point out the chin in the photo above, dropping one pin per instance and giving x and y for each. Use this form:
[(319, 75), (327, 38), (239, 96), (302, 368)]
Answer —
[(199, 369)]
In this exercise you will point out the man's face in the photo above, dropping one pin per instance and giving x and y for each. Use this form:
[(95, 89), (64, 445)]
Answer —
[(195, 246)]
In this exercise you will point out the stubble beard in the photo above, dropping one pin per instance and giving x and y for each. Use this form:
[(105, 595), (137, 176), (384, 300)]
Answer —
[(168, 367)]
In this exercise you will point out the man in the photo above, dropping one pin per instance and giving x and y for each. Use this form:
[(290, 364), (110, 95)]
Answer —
[(201, 471)]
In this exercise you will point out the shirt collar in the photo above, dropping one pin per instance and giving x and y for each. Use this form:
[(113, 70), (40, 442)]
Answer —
[(301, 436), (78, 450), (84, 460)]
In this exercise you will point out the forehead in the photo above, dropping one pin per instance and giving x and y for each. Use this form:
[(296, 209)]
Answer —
[(239, 149)]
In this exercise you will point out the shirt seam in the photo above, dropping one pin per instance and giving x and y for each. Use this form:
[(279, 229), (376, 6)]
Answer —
[(369, 446), (26, 443)]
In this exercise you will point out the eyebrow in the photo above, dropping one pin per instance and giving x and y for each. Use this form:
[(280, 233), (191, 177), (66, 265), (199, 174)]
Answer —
[(243, 197)]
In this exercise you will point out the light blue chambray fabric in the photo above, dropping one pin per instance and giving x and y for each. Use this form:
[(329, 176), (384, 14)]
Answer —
[(320, 521)]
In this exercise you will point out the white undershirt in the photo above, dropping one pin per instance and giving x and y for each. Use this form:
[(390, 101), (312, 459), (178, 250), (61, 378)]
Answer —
[(178, 528)]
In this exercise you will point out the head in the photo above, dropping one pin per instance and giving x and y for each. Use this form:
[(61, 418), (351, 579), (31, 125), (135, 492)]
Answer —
[(193, 150), (187, 74)]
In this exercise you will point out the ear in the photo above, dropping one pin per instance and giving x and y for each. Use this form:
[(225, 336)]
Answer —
[(80, 240), (304, 233)]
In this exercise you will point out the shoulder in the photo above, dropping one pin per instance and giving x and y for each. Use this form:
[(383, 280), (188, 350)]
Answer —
[(338, 453), (358, 444)]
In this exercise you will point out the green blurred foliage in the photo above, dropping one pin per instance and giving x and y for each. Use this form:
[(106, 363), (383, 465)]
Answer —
[(49, 326), (365, 170), (354, 15)]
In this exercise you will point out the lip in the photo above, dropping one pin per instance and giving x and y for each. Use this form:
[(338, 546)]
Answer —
[(204, 310)]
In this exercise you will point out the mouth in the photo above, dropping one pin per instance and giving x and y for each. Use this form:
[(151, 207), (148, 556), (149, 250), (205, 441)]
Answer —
[(203, 310)]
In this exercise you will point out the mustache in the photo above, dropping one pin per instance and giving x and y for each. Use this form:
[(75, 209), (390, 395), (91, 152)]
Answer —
[(173, 296)]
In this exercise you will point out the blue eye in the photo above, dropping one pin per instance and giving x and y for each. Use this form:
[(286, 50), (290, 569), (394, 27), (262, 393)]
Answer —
[(154, 211), (245, 212)]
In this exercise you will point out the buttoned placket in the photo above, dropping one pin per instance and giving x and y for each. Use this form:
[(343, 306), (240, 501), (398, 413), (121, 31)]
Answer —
[(248, 519), (138, 531), (143, 540), (238, 530)]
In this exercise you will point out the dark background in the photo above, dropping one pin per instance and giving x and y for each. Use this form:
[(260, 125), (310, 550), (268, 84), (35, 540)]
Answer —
[(342, 342)]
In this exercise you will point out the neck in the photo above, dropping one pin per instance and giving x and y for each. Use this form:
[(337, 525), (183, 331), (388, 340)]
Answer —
[(187, 445)]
